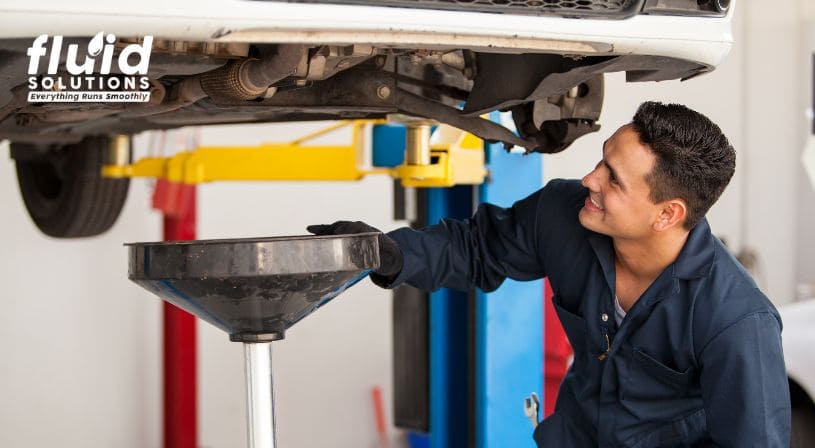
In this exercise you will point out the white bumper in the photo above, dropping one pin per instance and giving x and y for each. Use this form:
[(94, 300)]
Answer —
[(706, 40)]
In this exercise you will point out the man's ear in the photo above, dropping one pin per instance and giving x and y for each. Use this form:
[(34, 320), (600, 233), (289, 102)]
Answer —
[(672, 214)]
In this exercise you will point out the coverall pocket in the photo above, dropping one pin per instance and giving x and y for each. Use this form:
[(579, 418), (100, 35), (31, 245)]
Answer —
[(574, 326), (659, 370), (648, 380)]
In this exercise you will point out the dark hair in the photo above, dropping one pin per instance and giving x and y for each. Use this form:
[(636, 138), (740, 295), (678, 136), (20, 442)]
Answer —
[(695, 161)]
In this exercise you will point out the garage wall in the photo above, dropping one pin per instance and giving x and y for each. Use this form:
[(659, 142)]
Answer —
[(775, 130), (806, 191), (757, 97), (79, 343)]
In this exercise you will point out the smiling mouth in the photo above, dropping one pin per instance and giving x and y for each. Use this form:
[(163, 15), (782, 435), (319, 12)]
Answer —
[(592, 204)]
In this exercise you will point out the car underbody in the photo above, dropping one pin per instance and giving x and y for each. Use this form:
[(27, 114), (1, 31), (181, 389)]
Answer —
[(553, 98)]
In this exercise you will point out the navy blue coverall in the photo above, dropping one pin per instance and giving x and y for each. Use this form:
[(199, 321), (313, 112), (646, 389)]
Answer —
[(696, 362)]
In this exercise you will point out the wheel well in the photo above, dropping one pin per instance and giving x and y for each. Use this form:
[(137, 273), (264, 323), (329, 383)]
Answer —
[(798, 396)]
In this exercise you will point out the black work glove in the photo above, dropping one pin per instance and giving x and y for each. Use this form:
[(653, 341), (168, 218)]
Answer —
[(390, 257)]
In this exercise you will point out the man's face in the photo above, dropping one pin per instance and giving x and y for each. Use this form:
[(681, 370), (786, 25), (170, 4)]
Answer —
[(619, 204)]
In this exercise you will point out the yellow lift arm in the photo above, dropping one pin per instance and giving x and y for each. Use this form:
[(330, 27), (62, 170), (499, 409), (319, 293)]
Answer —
[(455, 157)]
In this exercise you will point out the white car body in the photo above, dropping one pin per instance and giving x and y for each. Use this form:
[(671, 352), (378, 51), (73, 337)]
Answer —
[(706, 42), (798, 340)]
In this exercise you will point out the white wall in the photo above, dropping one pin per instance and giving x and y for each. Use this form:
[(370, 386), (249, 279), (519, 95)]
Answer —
[(774, 137), (805, 237), (80, 344)]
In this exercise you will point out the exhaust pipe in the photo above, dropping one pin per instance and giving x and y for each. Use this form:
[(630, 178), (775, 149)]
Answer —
[(247, 79)]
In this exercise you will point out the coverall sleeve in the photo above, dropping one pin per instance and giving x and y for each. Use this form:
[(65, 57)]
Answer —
[(495, 243), (744, 385)]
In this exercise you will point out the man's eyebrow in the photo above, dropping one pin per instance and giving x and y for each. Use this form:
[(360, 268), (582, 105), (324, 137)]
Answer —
[(610, 168), (613, 172)]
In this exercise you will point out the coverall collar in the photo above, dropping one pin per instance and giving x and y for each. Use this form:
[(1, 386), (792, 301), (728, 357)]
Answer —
[(696, 258), (694, 261)]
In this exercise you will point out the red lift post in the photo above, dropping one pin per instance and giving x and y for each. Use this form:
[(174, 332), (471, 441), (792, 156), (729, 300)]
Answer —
[(178, 204), (556, 352)]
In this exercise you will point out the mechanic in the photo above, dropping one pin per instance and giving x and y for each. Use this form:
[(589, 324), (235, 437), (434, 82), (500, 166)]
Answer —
[(674, 344)]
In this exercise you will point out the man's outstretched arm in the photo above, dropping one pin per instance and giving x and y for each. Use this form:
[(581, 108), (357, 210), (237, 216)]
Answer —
[(495, 243)]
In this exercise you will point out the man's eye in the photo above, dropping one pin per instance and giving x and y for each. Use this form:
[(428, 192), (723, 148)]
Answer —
[(611, 176)]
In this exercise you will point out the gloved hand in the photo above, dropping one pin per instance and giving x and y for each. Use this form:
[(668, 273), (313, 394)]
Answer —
[(390, 257)]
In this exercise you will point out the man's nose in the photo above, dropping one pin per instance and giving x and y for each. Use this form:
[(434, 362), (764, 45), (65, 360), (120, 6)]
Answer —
[(588, 180)]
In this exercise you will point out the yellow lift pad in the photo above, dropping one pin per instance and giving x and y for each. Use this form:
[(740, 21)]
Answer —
[(457, 158)]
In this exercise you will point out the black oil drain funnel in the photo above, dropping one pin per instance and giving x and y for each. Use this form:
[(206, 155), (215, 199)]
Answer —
[(254, 289)]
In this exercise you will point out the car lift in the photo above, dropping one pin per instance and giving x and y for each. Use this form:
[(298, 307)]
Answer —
[(453, 157), (482, 353)]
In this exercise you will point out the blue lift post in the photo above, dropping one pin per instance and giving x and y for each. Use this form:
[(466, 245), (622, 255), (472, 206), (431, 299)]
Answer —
[(509, 321), (450, 397), (501, 340)]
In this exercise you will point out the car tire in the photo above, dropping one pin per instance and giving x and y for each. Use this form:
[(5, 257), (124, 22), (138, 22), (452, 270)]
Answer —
[(63, 188), (803, 427)]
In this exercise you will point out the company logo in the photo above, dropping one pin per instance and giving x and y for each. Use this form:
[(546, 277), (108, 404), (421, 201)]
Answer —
[(93, 79)]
